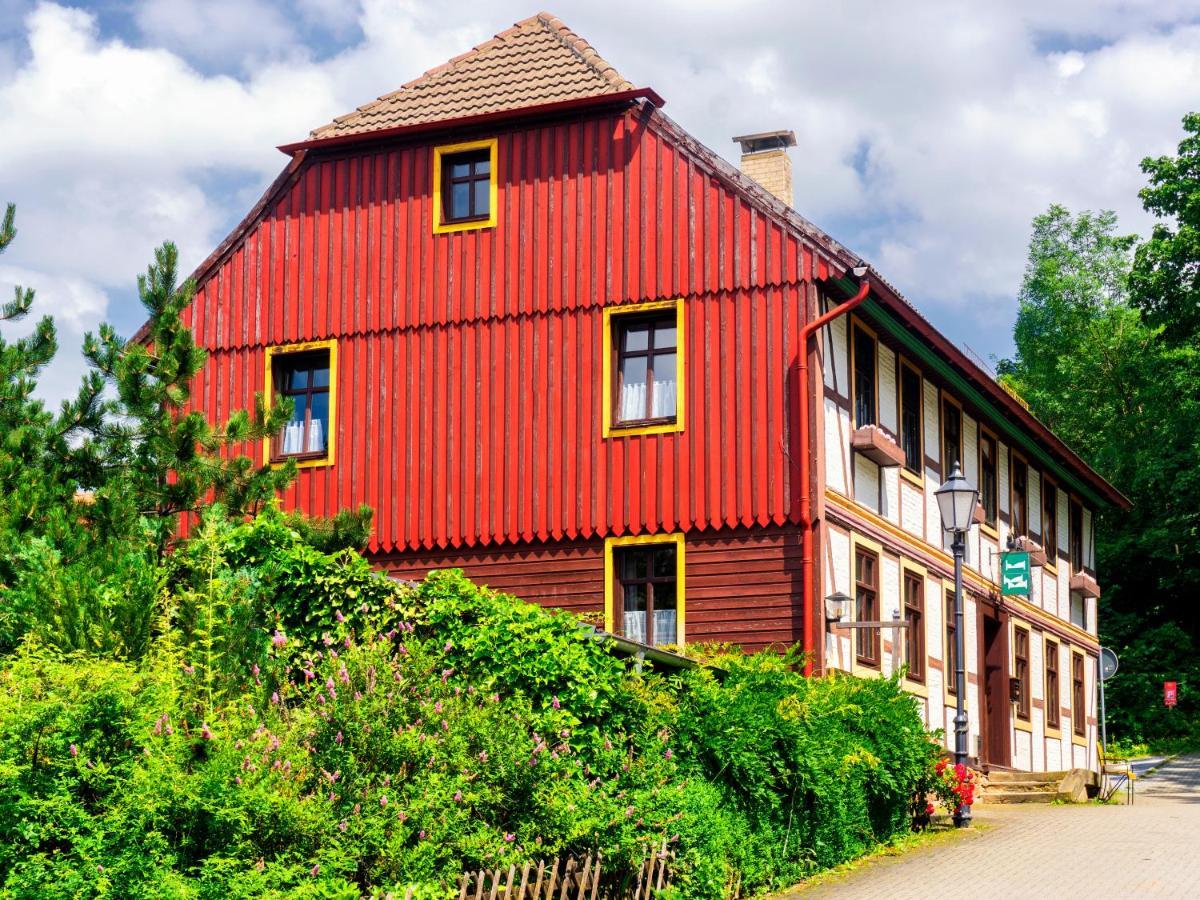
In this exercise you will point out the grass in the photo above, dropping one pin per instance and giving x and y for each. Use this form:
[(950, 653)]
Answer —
[(937, 833)]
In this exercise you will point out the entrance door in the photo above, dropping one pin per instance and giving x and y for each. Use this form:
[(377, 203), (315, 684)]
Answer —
[(995, 690)]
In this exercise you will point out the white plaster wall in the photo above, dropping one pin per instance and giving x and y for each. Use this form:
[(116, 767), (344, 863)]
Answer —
[(912, 515), (889, 605), (866, 482), (839, 575), (837, 443), (837, 355), (890, 509), (886, 374)]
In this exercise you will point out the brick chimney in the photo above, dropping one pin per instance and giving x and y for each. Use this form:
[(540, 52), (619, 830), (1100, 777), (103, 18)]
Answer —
[(765, 159)]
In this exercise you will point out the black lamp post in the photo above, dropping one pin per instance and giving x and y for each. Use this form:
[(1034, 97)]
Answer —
[(956, 503)]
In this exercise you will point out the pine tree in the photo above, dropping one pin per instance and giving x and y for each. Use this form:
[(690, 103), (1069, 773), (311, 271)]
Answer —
[(152, 448)]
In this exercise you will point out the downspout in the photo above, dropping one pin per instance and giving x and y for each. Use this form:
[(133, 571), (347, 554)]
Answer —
[(806, 523)]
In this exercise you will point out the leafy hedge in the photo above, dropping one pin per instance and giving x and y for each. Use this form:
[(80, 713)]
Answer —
[(450, 728)]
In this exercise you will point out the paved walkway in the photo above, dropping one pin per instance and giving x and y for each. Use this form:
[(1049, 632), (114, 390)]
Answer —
[(1150, 849)]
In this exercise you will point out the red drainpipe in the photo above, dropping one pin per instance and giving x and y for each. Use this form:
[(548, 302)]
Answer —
[(806, 523)]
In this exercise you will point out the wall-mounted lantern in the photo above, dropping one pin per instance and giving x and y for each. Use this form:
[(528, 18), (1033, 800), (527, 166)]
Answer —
[(837, 606)]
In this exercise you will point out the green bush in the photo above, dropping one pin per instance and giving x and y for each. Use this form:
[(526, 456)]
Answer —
[(445, 729)]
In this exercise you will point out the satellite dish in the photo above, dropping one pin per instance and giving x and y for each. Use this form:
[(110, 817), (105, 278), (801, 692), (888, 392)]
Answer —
[(1108, 664)]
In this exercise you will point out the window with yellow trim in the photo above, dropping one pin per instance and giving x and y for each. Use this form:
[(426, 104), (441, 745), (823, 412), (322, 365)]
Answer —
[(304, 375), (643, 368), (644, 588), (464, 186)]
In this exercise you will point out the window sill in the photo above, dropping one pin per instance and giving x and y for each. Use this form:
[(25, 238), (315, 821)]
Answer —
[(302, 462), (633, 429), (1079, 740), (920, 688), (1021, 725), (1051, 732), (913, 477), (989, 530)]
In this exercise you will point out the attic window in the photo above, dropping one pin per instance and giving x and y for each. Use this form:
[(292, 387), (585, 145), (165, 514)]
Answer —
[(464, 186)]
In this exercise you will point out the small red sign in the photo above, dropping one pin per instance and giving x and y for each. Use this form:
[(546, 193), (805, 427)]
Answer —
[(1170, 693)]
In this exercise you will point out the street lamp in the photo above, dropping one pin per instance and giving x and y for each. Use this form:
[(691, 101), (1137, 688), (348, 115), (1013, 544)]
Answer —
[(956, 502)]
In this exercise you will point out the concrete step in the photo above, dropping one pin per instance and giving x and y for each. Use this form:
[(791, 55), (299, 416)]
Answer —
[(1022, 786), (997, 777), (1019, 797)]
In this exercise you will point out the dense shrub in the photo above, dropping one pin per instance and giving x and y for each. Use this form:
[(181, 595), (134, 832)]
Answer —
[(468, 729)]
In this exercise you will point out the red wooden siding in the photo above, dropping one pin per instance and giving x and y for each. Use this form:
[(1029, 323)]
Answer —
[(469, 380), (740, 584)]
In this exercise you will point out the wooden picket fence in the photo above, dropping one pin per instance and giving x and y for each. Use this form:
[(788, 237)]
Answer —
[(569, 879)]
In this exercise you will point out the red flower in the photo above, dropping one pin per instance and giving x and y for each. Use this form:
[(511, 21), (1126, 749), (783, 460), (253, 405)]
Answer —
[(929, 809)]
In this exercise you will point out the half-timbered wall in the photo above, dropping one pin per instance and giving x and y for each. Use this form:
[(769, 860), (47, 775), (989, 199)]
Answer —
[(895, 513)]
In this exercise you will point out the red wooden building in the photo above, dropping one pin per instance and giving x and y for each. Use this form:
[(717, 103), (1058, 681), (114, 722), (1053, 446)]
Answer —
[(555, 341)]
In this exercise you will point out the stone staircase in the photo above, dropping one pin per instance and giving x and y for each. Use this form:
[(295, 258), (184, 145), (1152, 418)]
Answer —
[(1021, 787)]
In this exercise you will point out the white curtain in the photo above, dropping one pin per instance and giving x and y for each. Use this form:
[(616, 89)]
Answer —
[(293, 437), (316, 436), (633, 401), (664, 626), (635, 625)]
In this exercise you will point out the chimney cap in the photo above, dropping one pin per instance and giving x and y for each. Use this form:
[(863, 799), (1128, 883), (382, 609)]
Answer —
[(766, 140)]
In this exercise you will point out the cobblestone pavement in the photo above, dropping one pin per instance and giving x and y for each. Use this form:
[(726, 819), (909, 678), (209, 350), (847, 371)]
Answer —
[(1150, 849)]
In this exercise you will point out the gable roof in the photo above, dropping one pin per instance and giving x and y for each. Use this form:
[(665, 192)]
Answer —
[(537, 61)]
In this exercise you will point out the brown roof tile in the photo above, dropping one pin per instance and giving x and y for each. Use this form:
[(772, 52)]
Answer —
[(539, 60)]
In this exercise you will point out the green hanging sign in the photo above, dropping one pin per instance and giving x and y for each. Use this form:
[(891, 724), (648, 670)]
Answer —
[(1014, 574)]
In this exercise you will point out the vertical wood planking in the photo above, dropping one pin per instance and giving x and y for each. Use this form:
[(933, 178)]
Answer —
[(469, 394)]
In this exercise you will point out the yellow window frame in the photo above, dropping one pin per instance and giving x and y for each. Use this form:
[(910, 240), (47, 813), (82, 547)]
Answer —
[(440, 227), (271, 354), (641, 540), (610, 428)]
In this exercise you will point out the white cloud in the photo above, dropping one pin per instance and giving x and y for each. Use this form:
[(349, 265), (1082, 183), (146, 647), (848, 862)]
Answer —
[(929, 134)]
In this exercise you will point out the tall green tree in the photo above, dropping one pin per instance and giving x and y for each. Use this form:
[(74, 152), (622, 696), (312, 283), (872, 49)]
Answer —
[(155, 457), (1166, 274), (1104, 378), (92, 497)]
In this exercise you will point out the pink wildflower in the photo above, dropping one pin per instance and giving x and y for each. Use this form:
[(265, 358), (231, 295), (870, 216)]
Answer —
[(555, 702), (509, 837), (342, 825), (275, 698), (315, 869), (458, 797), (326, 639), (190, 670), (383, 800), (483, 756), (74, 750), (205, 732), (449, 646), (669, 753), (254, 668), (338, 615), (279, 639)]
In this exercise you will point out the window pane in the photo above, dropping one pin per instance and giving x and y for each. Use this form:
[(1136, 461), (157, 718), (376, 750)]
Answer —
[(293, 431), (663, 399), (460, 200), (483, 165), (297, 378), (631, 405), (482, 197), (637, 336), (299, 407), (664, 334), (864, 379), (635, 598), (320, 377), (664, 595), (634, 565), (910, 402), (951, 436), (664, 563), (460, 168), (318, 427)]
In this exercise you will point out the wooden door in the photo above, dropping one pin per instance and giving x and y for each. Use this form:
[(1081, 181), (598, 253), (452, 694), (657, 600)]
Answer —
[(994, 688)]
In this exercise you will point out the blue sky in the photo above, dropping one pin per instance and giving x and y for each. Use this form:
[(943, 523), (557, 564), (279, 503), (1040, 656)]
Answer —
[(929, 134)]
